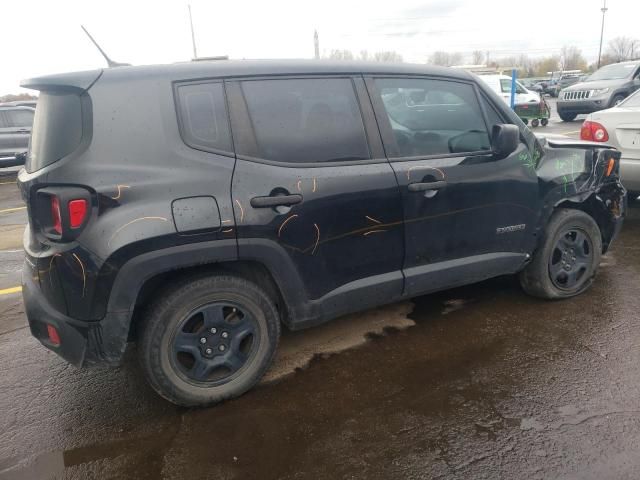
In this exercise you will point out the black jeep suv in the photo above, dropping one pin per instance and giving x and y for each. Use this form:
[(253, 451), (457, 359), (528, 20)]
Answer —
[(195, 207)]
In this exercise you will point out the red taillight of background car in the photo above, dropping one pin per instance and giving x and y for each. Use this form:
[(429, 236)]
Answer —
[(56, 219), (593, 131), (77, 212)]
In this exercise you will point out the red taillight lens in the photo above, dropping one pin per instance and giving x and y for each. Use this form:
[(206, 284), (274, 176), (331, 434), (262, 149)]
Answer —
[(593, 131), (77, 212), (56, 220), (54, 337)]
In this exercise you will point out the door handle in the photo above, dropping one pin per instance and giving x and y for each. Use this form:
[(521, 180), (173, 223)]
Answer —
[(424, 186), (276, 201)]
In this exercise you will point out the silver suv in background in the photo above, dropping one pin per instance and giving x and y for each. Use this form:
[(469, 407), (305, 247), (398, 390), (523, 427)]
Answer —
[(15, 131), (605, 88)]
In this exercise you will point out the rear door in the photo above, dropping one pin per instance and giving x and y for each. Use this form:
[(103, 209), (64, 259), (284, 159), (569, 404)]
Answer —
[(313, 190), (7, 137), (20, 122), (468, 214)]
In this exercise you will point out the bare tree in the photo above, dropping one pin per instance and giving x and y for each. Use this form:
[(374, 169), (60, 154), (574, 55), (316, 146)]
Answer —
[(623, 48), (572, 59), (388, 56), (477, 57), (445, 59), (338, 54)]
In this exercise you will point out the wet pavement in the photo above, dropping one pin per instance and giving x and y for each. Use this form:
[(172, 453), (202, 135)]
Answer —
[(477, 382)]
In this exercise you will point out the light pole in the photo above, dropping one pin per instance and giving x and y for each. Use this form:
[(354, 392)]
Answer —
[(193, 35), (603, 10)]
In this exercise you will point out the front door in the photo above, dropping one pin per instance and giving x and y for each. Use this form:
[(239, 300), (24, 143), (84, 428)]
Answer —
[(311, 182), (468, 215)]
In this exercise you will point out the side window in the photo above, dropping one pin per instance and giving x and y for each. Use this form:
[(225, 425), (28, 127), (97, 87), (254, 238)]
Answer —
[(3, 122), (305, 120), (433, 117), (20, 118), (203, 117)]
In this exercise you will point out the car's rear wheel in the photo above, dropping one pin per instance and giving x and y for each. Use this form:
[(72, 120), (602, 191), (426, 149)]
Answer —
[(567, 117), (208, 339), (566, 262)]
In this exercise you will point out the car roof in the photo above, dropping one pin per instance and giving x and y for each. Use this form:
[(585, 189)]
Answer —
[(16, 107), (241, 68)]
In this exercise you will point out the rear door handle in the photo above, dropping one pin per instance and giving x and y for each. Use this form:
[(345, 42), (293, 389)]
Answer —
[(276, 201), (422, 187)]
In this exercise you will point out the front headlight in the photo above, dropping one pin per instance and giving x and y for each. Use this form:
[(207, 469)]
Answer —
[(599, 91)]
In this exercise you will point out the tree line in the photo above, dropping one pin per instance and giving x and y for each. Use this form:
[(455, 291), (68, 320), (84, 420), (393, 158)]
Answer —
[(570, 58)]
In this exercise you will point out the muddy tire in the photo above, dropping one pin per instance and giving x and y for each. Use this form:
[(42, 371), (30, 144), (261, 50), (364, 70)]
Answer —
[(566, 262), (208, 339)]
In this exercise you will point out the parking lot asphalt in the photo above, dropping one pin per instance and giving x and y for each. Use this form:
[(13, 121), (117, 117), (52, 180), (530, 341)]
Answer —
[(477, 382)]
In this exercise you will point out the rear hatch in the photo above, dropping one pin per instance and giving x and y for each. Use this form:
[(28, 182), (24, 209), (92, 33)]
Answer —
[(62, 130)]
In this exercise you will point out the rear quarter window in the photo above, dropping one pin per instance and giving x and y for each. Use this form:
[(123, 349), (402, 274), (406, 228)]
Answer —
[(57, 129), (203, 118)]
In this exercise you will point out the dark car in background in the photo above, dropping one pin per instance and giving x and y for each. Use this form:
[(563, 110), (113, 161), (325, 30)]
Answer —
[(15, 131), (605, 88)]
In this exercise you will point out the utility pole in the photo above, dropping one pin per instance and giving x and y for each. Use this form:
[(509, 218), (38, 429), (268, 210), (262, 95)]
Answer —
[(316, 44), (603, 10), (193, 36)]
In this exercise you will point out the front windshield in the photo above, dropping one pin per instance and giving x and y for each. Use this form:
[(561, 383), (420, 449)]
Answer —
[(614, 72), (632, 101)]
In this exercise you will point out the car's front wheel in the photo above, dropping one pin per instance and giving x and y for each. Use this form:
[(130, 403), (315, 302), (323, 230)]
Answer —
[(566, 262), (567, 117), (208, 339), (617, 100)]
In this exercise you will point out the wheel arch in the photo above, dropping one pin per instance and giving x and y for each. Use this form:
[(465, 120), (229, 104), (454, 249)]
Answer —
[(596, 208), (145, 275)]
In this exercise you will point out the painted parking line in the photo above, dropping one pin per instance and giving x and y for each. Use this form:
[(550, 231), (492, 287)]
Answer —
[(7, 183), (7, 291), (16, 209)]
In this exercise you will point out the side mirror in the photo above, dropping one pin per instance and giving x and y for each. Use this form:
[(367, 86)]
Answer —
[(504, 139)]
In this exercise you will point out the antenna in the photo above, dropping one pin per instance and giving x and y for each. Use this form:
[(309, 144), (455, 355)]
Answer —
[(193, 35), (110, 62)]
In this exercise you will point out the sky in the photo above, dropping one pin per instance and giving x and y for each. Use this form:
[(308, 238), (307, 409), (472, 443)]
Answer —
[(44, 36)]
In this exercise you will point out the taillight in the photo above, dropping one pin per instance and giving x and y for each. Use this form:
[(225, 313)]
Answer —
[(56, 219), (54, 336), (77, 212), (593, 131), (61, 212)]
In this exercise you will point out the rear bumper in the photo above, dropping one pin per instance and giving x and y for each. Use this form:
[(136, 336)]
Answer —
[(81, 343), (630, 174), (581, 106)]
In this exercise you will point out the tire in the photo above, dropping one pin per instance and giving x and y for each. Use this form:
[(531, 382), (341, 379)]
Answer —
[(543, 276), (616, 100), (535, 122), (173, 357), (525, 121), (567, 117), (544, 122)]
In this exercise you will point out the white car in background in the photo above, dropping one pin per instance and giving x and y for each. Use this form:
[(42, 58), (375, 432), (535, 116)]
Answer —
[(619, 127), (501, 84)]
